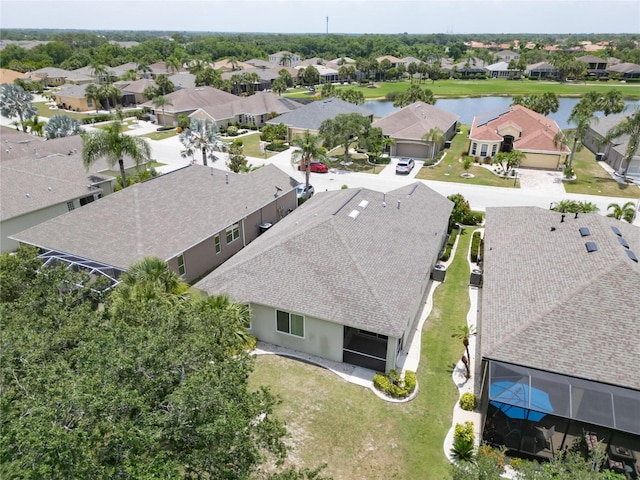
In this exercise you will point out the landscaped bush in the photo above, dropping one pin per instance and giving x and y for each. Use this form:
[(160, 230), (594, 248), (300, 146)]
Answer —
[(393, 385), (468, 402), (103, 117), (165, 128), (232, 131), (476, 240), (464, 431), (277, 146), (463, 441), (450, 242)]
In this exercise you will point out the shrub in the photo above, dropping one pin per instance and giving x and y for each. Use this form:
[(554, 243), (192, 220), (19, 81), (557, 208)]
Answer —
[(498, 457), (394, 385), (344, 187), (516, 463), (450, 242), (464, 431), (165, 128), (232, 131), (475, 246), (277, 146), (103, 117), (468, 401), (238, 142), (462, 450)]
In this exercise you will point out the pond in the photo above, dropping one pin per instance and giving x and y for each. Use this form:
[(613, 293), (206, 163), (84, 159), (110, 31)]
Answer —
[(467, 108)]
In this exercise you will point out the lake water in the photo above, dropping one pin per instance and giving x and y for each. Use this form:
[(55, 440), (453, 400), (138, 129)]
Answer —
[(467, 108)]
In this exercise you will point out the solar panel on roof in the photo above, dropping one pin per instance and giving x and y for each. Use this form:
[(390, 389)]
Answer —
[(623, 242), (616, 230), (632, 256), (584, 232), (591, 246)]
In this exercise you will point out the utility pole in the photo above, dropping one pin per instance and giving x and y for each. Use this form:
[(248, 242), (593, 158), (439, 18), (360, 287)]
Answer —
[(327, 25)]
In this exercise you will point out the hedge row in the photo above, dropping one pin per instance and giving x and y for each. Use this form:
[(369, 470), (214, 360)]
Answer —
[(394, 385)]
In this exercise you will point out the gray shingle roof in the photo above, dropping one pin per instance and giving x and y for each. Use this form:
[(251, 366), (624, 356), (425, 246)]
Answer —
[(603, 124), (161, 217), (364, 272), (312, 115), (190, 99), (551, 305), (413, 121)]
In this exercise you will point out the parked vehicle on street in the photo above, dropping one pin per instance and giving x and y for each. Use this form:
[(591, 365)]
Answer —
[(405, 165), (304, 193), (316, 167)]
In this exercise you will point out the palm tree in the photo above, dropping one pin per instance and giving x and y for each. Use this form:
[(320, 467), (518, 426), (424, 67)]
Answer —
[(15, 101), (279, 86), (575, 136), (143, 69), (62, 126), (161, 102), (173, 64), (436, 137), (202, 135), (197, 65), (631, 127), (226, 315), (36, 126), (463, 333), (624, 212), (309, 149), (93, 93), (112, 144), (98, 70), (286, 59), (109, 92)]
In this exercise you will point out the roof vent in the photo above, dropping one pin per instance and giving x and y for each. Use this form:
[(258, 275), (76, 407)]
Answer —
[(553, 229), (354, 214), (584, 232), (363, 204), (616, 231), (632, 256), (562, 218), (623, 242), (399, 202), (591, 247)]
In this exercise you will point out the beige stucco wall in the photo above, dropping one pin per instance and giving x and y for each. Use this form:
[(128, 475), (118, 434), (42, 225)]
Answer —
[(321, 338), (479, 145), (543, 160), (76, 104), (510, 130)]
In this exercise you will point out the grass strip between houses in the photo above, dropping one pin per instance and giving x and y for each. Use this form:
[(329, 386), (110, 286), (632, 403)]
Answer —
[(359, 435)]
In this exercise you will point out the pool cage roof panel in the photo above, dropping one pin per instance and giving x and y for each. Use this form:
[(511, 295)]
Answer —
[(94, 269), (570, 397)]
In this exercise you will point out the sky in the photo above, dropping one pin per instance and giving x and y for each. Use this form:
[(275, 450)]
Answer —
[(344, 16)]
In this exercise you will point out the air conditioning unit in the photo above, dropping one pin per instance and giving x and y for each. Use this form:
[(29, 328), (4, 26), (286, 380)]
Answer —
[(599, 156), (476, 278), (439, 272)]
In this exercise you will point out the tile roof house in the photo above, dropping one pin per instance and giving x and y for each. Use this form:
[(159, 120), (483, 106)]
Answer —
[(42, 179), (518, 128), (314, 286), (408, 126), (615, 150), (194, 218), (559, 313), (507, 55), (253, 110), (54, 77), (310, 116)]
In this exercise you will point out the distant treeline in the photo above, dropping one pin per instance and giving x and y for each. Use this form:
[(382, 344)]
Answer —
[(72, 49)]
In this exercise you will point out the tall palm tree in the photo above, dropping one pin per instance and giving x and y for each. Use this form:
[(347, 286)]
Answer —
[(161, 102), (143, 69), (309, 149), (15, 101), (464, 333), (110, 143), (92, 93), (202, 135), (436, 137), (631, 127), (285, 60), (109, 92), (98, 70), (624, 212), (173, 64), (575, 137), (62, 126), (225, 315)]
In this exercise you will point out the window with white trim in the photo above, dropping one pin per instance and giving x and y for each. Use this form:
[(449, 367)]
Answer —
[(290, 323), (216, 243), (474, 148), (233, 232), (494, 149), (483, 150), (182, 269), (70, 205)]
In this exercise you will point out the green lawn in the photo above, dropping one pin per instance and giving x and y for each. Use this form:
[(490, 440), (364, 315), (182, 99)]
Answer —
[(161, 135), (592, 179), (450, 168), (251, 146), (490, 87), (359, 435), (45, 111)]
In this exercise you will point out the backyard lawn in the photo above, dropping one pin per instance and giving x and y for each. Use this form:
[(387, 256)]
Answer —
[(45, 111), (490, 87), (359, 435), (449, 169)]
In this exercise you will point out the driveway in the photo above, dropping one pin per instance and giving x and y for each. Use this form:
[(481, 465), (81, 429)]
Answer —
[(541, 181), (390, 169)]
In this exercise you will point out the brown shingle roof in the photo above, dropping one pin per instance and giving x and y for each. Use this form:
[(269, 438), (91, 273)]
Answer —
[(413, 121)]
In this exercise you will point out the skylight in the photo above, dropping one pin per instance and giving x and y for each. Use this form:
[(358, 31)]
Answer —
[(584, 232), (623, 242), (363, 204), (616, 231), (354, 214), (632, 256), (591, 247)]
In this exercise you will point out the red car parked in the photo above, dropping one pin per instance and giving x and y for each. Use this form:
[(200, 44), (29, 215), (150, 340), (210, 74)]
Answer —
[(316, 167)]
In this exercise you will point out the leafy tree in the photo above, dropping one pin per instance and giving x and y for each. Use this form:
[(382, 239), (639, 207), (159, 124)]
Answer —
[(308, 150), (60, 126), (436, 137), (509, 160), (461, 212), (164, 86), (202, 135), (351, 95), (376, 143), (310, 75), (542, 103), (624, 212), (285, 60), (414, 94), (143, 69), (285, 75), (208, 77), (173, 64), (110, 143), (161, 102), (237, 160), (631, 127), (328, 90), (16, 102), (343, 130), (581, 118)]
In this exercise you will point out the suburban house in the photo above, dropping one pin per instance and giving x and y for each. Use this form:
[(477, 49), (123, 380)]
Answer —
[(327, 74), (256, 62), (507, 55), (395, 61), (313, 284), (310, 116), (468, 67), (183, 80), (408, 126), (10, 76), (42, 179), (266, 77), (502, 70), (558, 353), (541, 70), (625, 71), (226, 65), (286, 59), (194, 218), (595, 66), (133, 90), (187, 101), (54, 77), (521, 129), (253, 110), (612, 152), (74, 98)]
